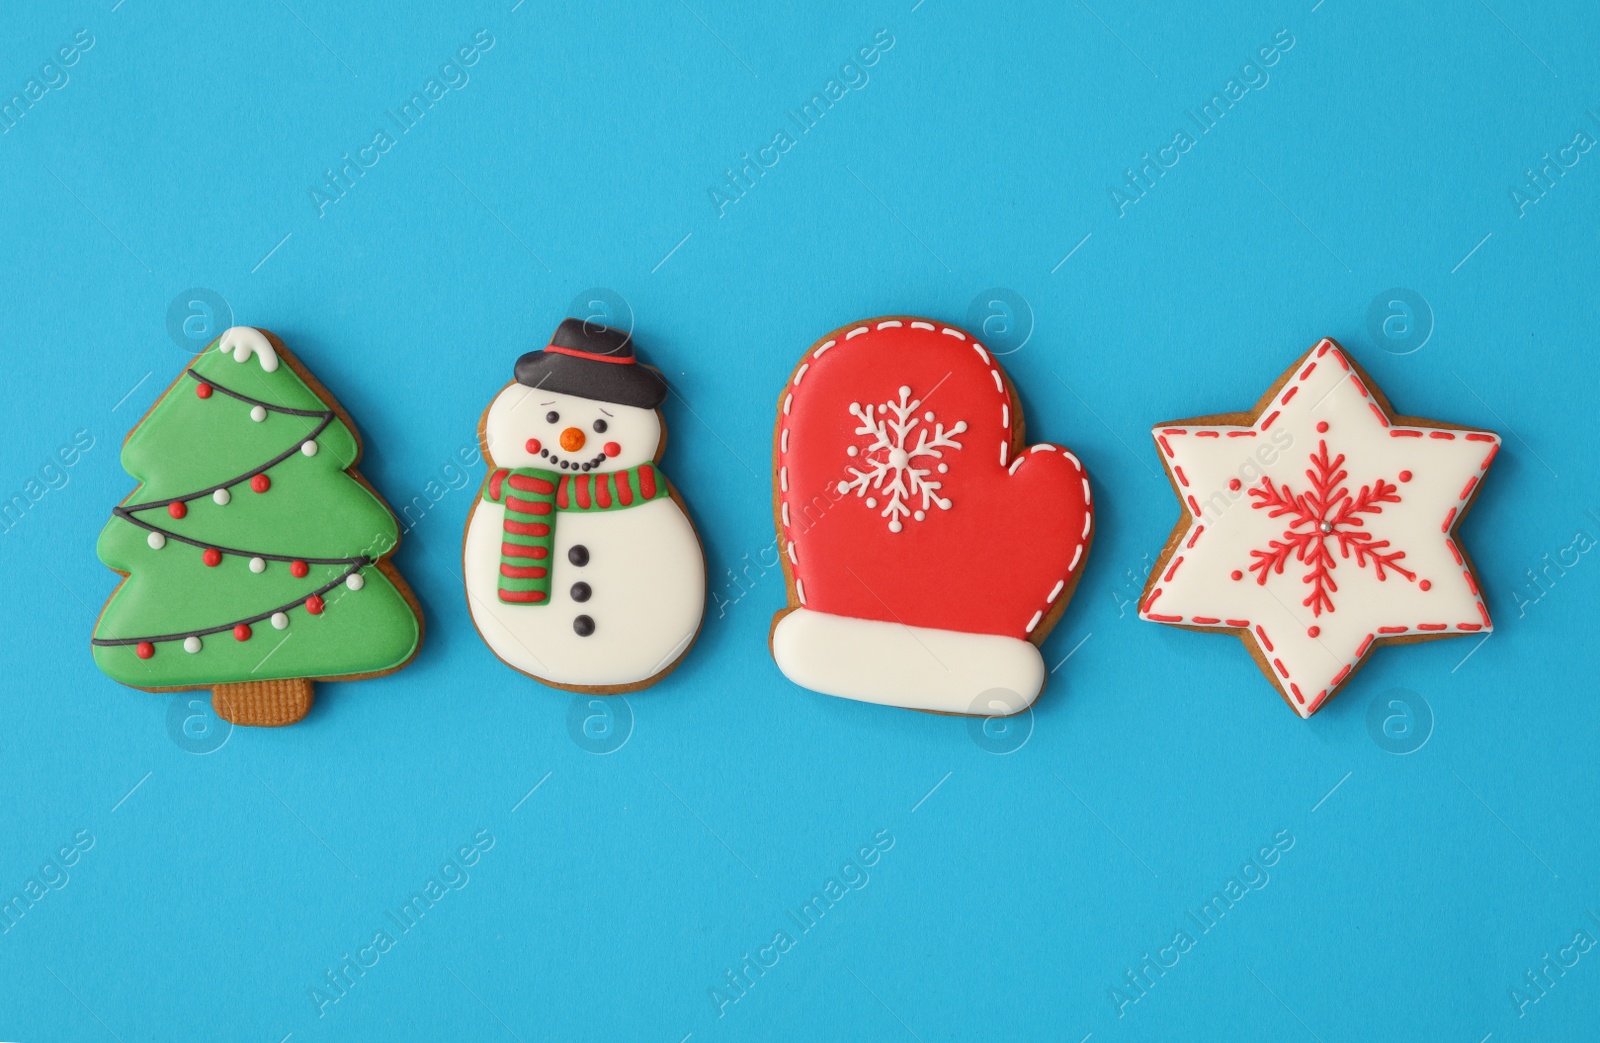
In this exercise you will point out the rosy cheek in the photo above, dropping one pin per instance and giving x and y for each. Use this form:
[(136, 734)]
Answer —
[(534, 445), (612, 449)]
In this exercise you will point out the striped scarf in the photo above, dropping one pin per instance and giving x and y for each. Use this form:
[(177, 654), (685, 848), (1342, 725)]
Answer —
[(532, 495)]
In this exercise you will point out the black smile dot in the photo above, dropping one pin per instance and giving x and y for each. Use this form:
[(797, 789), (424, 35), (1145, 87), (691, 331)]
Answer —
[(581, 592), (583, 625), (586, 466), (544, 452), (564, 465), (578, 555)]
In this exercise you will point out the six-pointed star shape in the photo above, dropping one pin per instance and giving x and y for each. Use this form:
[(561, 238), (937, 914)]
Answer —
[(1318, 526)]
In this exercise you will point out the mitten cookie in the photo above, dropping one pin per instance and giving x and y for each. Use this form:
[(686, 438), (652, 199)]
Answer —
[(928, 550), (1318, 526), (257, 559), (582, 568)]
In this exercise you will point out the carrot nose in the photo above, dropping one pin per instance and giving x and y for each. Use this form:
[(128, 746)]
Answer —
[(572, 440)]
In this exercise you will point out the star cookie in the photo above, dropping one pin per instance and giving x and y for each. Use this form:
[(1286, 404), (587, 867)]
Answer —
[(1318, 526)]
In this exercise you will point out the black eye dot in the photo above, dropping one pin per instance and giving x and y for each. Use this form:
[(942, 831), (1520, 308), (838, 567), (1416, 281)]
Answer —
[(551, 417), (599, 427)]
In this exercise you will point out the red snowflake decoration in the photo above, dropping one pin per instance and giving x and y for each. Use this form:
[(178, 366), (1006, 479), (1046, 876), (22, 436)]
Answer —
[(1328, 513)]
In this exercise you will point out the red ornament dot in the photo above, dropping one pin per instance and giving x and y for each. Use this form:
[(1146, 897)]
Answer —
[(1237, 575), (612, 448), (203, 390), (314, 605), (1322, 426), (1405, 476), (298, 569), (177, 509), (1233, 484), (260, 483), (533, 445), (212, 557), (241, 632), (1425, 585), (144, 650), (1313, 631)]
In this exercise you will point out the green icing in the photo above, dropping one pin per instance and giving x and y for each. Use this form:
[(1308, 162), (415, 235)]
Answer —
[(314, 509)]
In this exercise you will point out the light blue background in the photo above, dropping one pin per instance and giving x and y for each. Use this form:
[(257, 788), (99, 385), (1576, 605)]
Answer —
[(1020, 888)]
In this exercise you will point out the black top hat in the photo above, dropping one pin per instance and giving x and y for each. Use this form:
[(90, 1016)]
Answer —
[(592, 361)]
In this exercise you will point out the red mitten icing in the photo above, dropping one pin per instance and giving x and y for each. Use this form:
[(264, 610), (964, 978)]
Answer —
[(927, 550)]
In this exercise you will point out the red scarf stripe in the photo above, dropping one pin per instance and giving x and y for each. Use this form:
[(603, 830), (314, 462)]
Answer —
[(624, 491), (494, 483), (647, 481), (527, 528), (583, 491), (524, 596), (602, 490), (519, 550), (527, 506), (561, 494), (530, 484), (523, 571)]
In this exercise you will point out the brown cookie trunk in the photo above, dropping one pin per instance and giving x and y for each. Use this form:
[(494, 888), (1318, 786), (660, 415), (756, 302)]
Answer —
[(263, 704)]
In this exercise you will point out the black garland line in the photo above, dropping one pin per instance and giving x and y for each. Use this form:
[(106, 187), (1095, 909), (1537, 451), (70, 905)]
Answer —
[(122, 512), (109, 641), (326, 416), (125, 512)]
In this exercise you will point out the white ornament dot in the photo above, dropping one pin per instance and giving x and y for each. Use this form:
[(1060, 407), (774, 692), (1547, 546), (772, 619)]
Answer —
[(279, 621), (844, 487), (258, 565), (919, 515), (851, 451), (221, 497), (354, 581), (928, 416), (258, 413), (309, 448), (944, 468), (872, 502), (156, 540), (191, 644)]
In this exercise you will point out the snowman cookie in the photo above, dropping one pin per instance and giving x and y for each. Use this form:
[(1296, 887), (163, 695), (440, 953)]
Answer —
[(928, 548), (1318, 526), (582, 568)]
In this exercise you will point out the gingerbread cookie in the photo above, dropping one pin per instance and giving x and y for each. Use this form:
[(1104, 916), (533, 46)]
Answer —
[(255, 557), (928, 549), (1320, 525), (582, 568)]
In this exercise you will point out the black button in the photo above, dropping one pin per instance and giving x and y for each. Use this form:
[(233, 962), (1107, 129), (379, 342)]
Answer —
[(583, 625), (581, 592), (578, 555)]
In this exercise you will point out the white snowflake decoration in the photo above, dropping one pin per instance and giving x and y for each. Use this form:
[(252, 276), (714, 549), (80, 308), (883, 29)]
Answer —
[(891, 462)]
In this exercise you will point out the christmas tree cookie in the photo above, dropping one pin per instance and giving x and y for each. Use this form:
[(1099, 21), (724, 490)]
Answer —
[(1318, 526), (255, 557)]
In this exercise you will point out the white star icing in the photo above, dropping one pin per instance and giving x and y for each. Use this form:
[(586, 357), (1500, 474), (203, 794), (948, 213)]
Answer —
[(1338, 524)]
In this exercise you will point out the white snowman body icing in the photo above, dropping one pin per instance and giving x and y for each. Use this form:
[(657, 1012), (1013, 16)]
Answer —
[(641, 583)]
